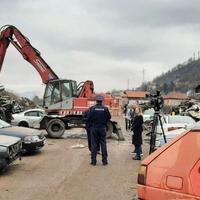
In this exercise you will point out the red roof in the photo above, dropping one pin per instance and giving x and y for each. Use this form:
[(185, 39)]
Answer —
[(176, 95), (135, 94)]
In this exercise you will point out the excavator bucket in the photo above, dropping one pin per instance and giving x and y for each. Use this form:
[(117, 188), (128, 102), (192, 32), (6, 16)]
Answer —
[(118, 131)]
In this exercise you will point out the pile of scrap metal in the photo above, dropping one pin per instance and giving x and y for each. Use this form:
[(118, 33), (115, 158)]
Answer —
[(5, 106), (9, 105), (192, 107)]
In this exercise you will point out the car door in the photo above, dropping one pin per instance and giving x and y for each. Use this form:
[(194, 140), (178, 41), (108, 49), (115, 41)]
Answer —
[(32, 117)]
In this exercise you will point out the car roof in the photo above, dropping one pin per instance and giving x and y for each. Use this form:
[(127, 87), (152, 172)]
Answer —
[(34, 109)]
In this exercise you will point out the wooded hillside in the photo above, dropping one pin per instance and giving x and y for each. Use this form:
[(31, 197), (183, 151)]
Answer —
[(181, 78)]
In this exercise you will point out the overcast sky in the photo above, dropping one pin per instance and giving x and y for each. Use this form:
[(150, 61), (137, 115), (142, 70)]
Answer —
[(107, 41)]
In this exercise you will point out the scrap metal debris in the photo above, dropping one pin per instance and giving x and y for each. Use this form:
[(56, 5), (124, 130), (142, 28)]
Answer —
[(78, 146)]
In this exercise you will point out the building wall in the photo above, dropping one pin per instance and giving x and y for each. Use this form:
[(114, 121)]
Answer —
[(173, 102)]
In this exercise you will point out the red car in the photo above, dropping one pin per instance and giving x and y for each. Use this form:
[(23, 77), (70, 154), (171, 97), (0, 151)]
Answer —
[(173, 171)]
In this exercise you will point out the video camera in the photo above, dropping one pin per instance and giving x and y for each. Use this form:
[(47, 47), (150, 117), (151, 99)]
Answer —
[(156, 100)]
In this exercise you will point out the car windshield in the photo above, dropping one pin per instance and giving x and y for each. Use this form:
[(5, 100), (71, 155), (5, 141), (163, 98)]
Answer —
[(4, 124)]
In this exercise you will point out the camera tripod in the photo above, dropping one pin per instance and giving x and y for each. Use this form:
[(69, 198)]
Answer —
[(156, 119)]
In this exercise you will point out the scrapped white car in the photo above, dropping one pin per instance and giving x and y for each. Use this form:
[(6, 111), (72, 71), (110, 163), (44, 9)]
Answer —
[(170, 123), (148, 114), (29, 118), (173, 126)]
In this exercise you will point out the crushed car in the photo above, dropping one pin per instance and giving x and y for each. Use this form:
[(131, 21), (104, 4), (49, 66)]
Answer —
[(10, 150), (32, 139)]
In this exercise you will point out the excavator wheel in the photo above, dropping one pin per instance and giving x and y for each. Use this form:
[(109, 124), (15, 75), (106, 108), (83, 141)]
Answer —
[(109, 130), (55, 128)]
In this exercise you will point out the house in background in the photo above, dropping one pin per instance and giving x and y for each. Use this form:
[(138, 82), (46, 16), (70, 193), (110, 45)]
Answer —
[(175, 98), (133, 97)]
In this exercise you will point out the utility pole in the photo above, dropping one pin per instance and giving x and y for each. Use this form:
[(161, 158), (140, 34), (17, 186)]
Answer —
[(143, 73), (128, 84)]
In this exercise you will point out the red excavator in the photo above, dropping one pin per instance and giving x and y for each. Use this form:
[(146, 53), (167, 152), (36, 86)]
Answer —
[(64, 100)]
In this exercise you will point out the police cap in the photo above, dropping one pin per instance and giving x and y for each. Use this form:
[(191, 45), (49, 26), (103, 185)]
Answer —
[(99, 98)]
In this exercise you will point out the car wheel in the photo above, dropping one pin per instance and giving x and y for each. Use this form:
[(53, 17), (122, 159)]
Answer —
[(24, 124), (55, 128), (3, 164)]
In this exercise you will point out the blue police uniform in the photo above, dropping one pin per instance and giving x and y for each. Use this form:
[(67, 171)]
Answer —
[(87, 127), (98, 117)]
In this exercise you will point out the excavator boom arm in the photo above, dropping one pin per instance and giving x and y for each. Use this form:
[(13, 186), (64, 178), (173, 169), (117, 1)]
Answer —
[(10, 34)]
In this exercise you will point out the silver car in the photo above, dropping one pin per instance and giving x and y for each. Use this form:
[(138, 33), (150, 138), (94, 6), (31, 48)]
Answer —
[(32, 139), (10, 150), (29, 118)]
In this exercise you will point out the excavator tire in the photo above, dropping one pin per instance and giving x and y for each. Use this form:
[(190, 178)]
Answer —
[(109, 130), (55, 128)]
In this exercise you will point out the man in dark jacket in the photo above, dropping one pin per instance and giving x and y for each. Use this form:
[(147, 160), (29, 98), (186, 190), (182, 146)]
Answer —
[(98, 117), (88, 131)]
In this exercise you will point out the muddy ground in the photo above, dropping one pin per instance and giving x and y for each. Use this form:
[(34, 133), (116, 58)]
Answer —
[(61, 171)]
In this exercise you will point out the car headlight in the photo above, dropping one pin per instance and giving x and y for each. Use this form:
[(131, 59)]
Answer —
[(41, 136), (31, 138), (3, 149)]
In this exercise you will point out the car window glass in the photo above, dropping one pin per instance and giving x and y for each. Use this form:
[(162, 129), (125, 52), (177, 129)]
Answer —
[(40, 114), (4, 124), (31, 113)]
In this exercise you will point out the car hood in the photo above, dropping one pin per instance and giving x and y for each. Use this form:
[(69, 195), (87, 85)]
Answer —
[(20, 132), (8, 140), (18, 115)]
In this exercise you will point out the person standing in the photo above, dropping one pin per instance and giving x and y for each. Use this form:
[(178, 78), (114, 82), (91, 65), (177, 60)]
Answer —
[(98, 117), (87, 127), (88, 131), (137, 128), (128, 117)]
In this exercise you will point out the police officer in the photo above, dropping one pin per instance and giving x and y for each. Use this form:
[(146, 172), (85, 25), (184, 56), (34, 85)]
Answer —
[(88, 131), (98, 117)]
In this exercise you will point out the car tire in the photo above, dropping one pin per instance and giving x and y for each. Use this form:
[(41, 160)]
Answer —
[(3, 164), (24, 124), (55, 128)]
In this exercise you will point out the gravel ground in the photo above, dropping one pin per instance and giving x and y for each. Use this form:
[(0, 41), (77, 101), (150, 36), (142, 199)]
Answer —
[(61, 171)]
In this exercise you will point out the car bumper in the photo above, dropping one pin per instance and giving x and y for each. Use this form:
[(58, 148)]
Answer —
[(33, 146), (14, 157)]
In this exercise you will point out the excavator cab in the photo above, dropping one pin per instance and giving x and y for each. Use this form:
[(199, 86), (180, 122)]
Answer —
[(59, 93)]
